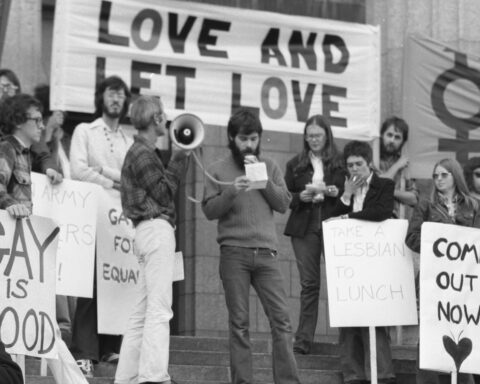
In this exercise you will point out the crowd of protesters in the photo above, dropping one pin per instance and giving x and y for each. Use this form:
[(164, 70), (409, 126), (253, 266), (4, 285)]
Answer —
[(320, 183)]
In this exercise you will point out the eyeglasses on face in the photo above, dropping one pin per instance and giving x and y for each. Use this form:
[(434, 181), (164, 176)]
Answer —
[(8, 87), (314, 137), (441, 175), (38, 120), (112, 94)]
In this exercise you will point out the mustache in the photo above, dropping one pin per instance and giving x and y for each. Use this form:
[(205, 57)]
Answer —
[(248, 151)]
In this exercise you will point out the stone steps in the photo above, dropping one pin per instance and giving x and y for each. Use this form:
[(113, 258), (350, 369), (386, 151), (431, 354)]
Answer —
[(204, 360)]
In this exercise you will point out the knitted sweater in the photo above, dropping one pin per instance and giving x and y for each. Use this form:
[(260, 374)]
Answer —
[(245, 218)]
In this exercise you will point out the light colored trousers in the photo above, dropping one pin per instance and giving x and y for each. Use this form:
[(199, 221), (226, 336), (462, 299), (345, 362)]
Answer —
[(145, 347)]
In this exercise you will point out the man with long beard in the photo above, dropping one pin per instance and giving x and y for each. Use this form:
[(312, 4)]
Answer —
[(248, 254), (97, 153), (394, 165)]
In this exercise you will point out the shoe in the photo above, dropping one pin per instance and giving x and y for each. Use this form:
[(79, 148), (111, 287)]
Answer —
[(111, 358), (86, 366)]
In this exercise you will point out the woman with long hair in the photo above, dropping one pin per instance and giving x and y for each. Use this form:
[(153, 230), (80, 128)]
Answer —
[(315, 178), (450, 202)]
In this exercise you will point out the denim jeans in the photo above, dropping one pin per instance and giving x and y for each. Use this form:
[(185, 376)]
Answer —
[(240, 267), (308, 250), (146, 343), (355, 354)]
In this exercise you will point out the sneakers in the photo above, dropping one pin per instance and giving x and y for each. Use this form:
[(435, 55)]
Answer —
[(86, 366), (111, 358)]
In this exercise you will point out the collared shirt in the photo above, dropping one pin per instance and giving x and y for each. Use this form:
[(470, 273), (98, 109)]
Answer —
[(360, 193), (95, 146), (147, 188), (15, 177), (317, 165)]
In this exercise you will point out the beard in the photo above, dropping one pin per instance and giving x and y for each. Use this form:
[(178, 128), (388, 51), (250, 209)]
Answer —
[(112, 113), (239, 156), (389, 150)]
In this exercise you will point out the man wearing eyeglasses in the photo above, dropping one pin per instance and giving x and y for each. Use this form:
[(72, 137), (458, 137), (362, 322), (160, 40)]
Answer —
[(22, 120), (394, 165), (97, 153), (40, 156)]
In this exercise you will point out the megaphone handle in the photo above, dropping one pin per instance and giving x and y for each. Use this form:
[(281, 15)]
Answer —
[(199, 163)]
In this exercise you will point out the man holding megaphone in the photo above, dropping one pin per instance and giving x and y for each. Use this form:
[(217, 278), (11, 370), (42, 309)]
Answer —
[(148, 191), (248, 247)]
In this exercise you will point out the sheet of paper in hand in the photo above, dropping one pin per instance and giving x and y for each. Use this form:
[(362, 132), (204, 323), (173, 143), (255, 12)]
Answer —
[(257, 174)]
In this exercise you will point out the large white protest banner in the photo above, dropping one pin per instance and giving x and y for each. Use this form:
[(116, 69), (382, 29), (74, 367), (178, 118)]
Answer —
[(450, 298), (117, 266), (440, 99), (73, 205), (210, 60), (369, 273), (27, 285)]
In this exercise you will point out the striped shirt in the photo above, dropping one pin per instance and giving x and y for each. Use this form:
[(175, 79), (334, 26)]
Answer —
[(15, 178)]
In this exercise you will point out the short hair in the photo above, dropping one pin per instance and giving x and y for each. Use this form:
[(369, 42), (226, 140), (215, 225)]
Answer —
[(13, 111), (115, 83), (398, 124), (470, 166), (143, 110), (358, 148), (12, 77), (245, 122)]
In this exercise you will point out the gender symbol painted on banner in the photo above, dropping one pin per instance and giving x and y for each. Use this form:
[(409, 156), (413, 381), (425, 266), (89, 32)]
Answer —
[(462, 145)]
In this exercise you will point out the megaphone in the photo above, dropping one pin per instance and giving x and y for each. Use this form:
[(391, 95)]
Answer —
[(186, 131)]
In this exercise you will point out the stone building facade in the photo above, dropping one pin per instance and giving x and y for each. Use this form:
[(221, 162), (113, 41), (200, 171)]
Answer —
[(199, 302)]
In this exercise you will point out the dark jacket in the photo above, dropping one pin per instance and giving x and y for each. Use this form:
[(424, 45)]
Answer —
[(436, 213), (10, 372), (296, 178), (378, 204)]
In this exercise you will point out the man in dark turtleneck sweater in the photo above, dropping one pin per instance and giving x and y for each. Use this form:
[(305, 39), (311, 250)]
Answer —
[(248, 255)]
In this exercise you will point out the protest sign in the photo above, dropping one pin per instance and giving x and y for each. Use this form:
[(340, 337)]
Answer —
[(440, 101), (210, 60), (369, 273), (27, 286), (117, 266), (73, 206), (450, 298)]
